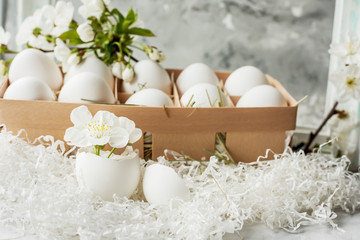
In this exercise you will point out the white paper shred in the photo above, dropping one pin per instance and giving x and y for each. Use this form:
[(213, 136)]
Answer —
[(39, 195)]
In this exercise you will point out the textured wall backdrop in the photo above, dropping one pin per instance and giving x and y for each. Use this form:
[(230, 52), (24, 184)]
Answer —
[(288, 39)]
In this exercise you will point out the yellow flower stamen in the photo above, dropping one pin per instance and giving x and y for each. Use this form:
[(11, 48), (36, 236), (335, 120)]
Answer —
[(98, 129), (350, 82), (351, 48)]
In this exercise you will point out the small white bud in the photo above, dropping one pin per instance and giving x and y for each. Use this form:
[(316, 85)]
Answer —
[(128, 73), (162, 57), (86, 33), (117, 69), (154, 54)]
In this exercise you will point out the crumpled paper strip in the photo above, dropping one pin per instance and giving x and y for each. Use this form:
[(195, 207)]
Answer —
[(39, 195)]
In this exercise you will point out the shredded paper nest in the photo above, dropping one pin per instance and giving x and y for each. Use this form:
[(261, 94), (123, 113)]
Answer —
[(39, 195)]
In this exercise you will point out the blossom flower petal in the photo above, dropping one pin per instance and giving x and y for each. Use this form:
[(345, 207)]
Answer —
[(100, 141), (25, 30), (80, 116), (105, 117), (62, 51), (73, 60), (41, 42), (135, 135), (64, 13), (129, 125), (58, 30), (119, 138), (92, 8), (77, 136)]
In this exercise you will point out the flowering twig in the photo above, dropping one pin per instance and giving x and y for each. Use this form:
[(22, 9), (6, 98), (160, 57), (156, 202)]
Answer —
[(312, 136)]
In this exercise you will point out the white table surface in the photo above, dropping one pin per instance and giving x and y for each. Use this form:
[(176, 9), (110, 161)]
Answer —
[(349, 223)]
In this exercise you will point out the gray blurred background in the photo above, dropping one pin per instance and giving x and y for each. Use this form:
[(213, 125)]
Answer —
[(287, 39)]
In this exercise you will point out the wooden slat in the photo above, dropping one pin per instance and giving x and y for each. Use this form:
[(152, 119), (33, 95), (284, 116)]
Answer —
[(3, 86), (49, 115), (248, 146), (192, 144)]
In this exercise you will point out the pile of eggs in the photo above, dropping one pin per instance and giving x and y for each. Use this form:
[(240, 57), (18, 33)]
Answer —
[(200, 87), (33, 75)]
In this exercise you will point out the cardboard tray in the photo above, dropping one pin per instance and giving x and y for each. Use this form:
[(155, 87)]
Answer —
[(249, 131)]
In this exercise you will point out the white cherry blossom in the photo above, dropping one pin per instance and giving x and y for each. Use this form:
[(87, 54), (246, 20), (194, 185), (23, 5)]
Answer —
[(99, 130), (41, 20), (348, 49), (347, 82)]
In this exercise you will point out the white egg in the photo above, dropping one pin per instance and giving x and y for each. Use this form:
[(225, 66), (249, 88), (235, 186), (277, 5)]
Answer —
[(35, 63), (150, 97), (86, 86), (93, 65), (243, 79), (148, 74), (29, 88), (203, 95), (262, 96), (194, 74), (161, 183)]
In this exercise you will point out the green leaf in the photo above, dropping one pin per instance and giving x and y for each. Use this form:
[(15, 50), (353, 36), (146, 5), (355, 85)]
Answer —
[(141, 32), (73, 24), (117, 13), (96, 26), (130, 19), (131, 16), (72, 36)]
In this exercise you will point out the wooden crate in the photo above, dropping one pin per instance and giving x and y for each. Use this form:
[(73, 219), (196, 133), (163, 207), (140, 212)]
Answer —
[(249, 131)]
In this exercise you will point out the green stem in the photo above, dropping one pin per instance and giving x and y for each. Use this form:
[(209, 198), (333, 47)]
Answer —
[(112, 151), (11, 51), (225, 149), (97, 150), (144, 46), (141, 49)]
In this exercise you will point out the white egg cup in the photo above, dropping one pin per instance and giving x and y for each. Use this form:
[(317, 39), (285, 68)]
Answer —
[(104, 177)]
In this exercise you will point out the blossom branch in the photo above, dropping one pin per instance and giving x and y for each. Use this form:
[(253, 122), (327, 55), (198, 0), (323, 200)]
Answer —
[(312, 136)]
